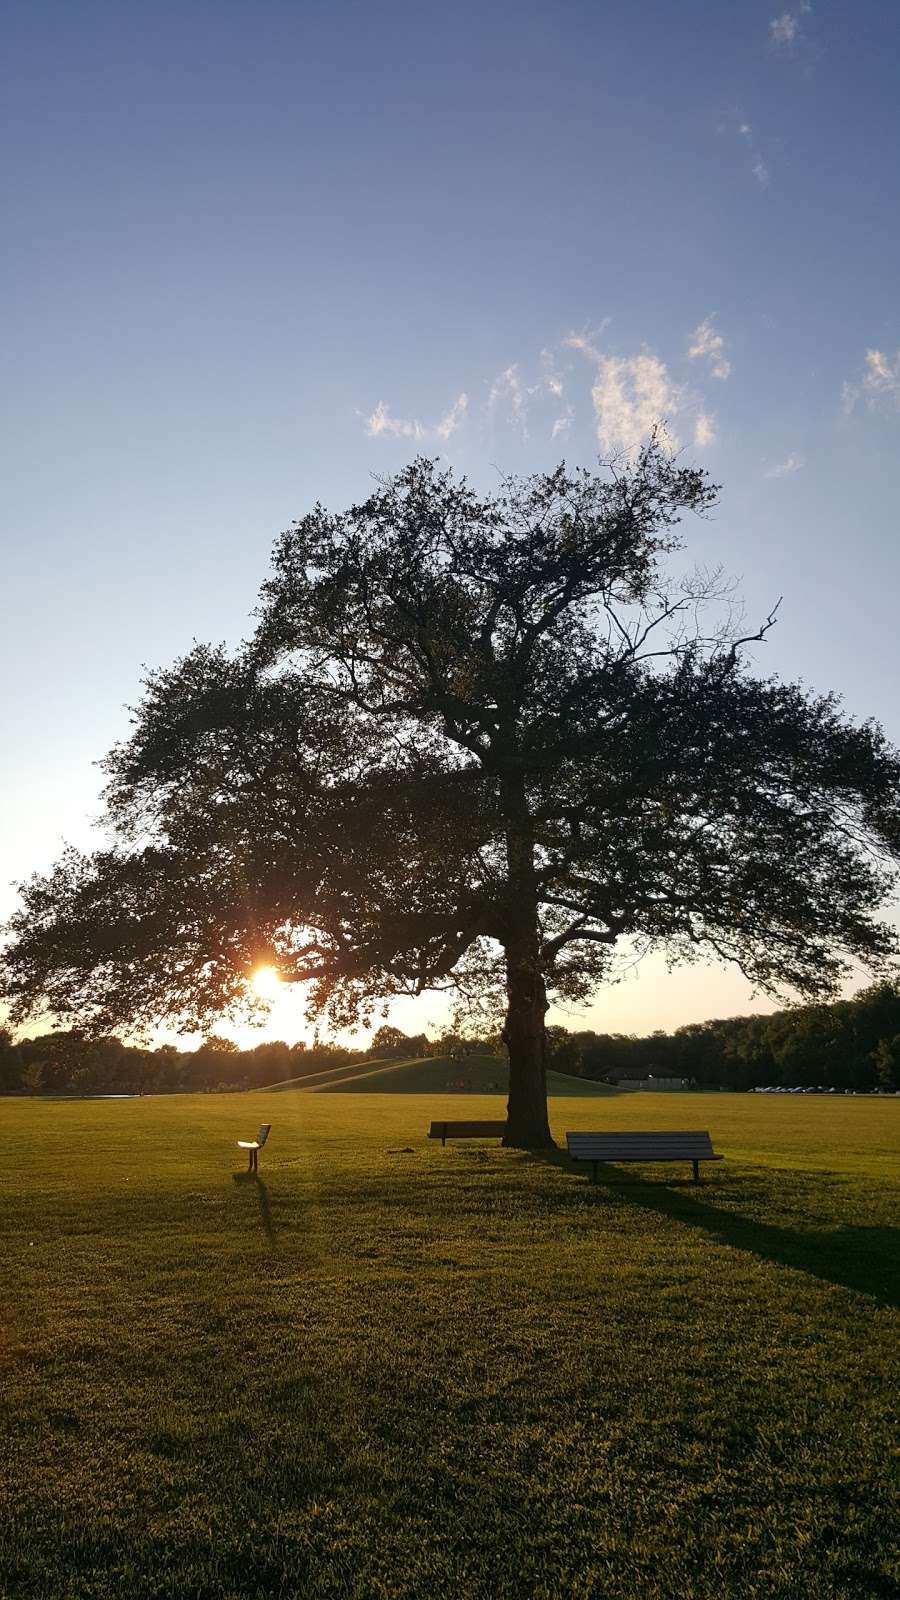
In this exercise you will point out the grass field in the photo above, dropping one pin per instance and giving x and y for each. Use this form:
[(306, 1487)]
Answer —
[(388, 1369)]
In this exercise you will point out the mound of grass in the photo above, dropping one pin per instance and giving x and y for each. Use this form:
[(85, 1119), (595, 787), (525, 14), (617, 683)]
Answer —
[(391, 1370), (473, 1074), (312, 1080)]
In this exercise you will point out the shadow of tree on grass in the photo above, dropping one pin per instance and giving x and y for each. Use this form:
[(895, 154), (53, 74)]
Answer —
[(864, 1259)]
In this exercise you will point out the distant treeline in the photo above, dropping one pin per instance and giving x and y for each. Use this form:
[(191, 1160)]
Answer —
[(852, 1044), (67, 1063)]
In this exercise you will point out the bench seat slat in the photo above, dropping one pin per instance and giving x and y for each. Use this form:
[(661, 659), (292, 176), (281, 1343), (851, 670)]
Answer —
[(629, 1149), (641, 1138), (692, 1141)]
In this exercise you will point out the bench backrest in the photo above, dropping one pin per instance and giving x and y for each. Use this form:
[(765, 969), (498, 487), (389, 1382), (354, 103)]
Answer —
[(263, 1134), (663, 1146), (467, 1130)]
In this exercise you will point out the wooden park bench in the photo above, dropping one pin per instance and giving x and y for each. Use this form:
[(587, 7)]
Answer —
[(253, 1146), (466, 1130), (597, 1147)]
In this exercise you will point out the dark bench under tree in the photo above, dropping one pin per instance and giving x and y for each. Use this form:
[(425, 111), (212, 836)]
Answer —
[(466, 1130)]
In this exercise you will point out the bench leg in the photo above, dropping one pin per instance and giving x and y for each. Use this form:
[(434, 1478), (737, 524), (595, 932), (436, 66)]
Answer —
[(249, 1160), (595, 1168), (696, 1167)]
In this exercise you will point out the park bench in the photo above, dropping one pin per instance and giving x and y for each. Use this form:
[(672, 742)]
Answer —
[(466, 1130), (597, 1147), (253, 1146)]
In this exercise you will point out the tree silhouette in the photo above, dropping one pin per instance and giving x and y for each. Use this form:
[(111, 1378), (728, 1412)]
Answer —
[(466, 726)]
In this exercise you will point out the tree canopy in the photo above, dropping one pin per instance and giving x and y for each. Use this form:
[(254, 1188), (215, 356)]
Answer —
[(471, 730)]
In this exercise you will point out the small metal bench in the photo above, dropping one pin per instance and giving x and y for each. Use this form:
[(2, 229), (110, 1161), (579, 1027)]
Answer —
[(596, 1147), (466, 1130), (253, 1146)]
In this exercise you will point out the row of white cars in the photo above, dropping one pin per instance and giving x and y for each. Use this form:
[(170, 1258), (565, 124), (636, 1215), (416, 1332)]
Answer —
[(822, 1090)]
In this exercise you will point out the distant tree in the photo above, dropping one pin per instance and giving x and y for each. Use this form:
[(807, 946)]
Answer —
[(60, 1054), (467, 725), (33, 1077), (215, 1044), (215, 1061), (389, 1041), (11, 1063), (565, 1052), (269, 1062), (887, 1062)]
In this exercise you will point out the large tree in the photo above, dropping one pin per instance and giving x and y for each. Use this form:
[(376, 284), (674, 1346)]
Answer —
[(466, 727)]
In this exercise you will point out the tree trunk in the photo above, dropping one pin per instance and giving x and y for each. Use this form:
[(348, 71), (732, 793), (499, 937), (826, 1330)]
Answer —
[(525, 1037), (524, 1034)]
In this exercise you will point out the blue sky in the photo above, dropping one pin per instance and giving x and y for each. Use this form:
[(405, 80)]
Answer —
[(255, 253)]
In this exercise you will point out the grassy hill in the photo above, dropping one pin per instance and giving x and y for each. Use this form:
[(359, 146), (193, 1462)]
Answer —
[(430, 1075), (314, 1080)]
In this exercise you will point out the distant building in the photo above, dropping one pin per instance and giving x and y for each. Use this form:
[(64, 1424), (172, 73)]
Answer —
[(654, 1081)]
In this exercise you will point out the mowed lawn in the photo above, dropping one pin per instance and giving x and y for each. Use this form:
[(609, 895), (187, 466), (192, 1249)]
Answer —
[(388, 1369)]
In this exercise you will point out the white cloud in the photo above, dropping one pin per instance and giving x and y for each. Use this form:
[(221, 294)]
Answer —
[(783, 469), (760, 172), (563, 423), (553, 383), (758, 166), (784, 29), (704, 430), (454, 418), (507, 392), (880, 382), (382, 425), (632, 396), (707, 344), (585, 344), (882, 376)]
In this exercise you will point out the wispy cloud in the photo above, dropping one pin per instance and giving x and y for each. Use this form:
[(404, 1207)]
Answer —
[(784, 31), (553, 382), (783, 469), (381, 425), (631, 396), (508, 398), (704, 430), (706, 344), (454, 418), (758, 166), (586, 343), (563, 424), (879, 384)]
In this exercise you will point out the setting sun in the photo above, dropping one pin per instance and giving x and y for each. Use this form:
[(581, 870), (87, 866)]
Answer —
[(267, 982)]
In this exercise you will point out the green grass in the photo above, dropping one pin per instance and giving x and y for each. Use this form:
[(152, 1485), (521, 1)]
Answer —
[(388, 1369), (429, 1075)]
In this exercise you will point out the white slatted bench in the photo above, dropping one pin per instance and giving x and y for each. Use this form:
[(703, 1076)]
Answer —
[(596, 1147), (466, 1130), (253, 1146)]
